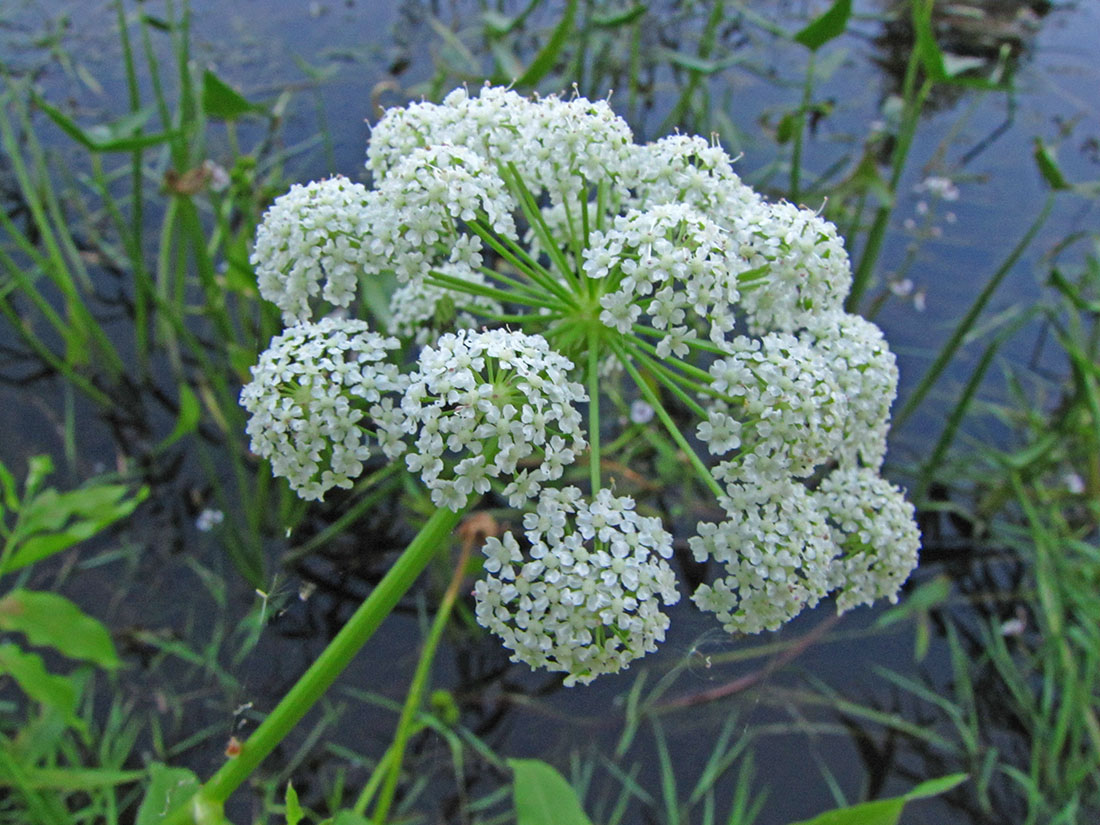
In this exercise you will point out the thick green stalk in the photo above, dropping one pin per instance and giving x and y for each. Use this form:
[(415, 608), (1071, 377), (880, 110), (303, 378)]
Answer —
[(328, 666)]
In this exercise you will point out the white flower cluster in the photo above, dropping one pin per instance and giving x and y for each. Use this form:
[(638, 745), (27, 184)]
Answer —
[(778, 397), (671, 264), (482, 403), (307, 401), (652, 263), (776, 554), (313, 234), (584, 599), (873, 528)]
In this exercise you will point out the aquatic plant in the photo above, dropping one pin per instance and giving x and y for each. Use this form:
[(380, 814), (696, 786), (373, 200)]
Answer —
[(614, 262)]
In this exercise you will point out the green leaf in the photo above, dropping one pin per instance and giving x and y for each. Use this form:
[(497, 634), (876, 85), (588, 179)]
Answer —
[(934, 787), (31, 675), (50, 620), (543, 797), (50, 522), (548, 54), (117, 136), (8, 489), (879, 812), (824, 28), (1048, 167), (347, 817), (928, 50), (188, 419), (168, 789), (221, 100), (76, 779), (614, 19), (293, 809), (884, 811)]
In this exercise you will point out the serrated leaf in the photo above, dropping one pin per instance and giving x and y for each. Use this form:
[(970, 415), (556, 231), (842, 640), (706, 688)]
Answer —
[(29, 672), (824, 28), (50, 620), (221, 100), (542, 796), (50, 522)]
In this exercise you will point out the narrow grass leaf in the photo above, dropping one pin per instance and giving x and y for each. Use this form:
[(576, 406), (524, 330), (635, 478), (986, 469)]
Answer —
[(614, 19), (117, 136), (548, 55), (77, 779), (542, 796), (50, 620), (1048, 166)]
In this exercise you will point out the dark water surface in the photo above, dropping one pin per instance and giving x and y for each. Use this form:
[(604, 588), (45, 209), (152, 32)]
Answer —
[(981, 142)]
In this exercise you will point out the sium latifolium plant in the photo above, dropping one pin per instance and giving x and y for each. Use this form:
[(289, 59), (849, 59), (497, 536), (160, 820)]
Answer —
[(547, 263)]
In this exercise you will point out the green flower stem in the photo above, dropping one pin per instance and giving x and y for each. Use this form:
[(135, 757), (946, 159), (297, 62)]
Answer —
[(670, 380), (538, 223), (520, 286), (419, 681), (574, 239), (666, 419), (519, 258), (329, 665), (437, 278), (688, 368), (594, 409), (539, 321), (585, 223)]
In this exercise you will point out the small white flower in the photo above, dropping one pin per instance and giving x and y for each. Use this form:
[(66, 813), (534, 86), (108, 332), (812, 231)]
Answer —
[(209, 519)]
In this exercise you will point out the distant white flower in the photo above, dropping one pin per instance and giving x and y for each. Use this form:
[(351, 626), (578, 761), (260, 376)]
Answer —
[(939, 187), (208, 519)]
